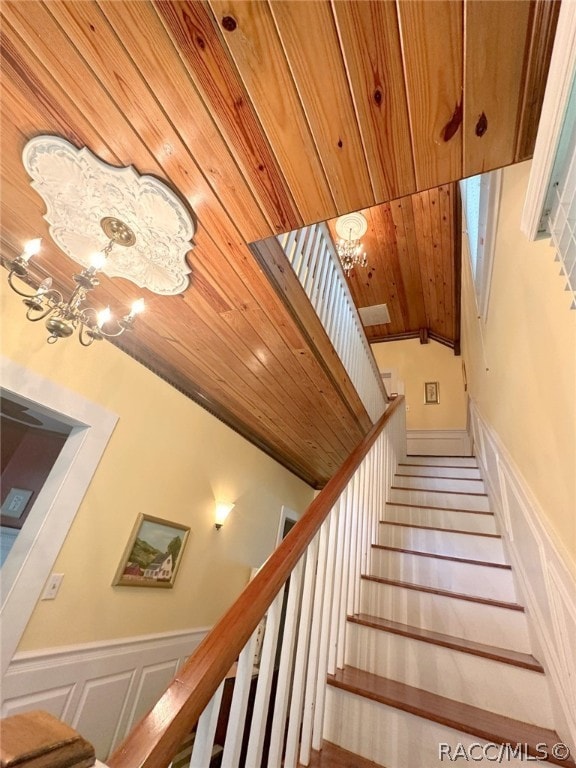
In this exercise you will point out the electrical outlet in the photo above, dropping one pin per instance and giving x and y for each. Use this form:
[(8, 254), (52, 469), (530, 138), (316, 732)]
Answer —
[(52, 586)]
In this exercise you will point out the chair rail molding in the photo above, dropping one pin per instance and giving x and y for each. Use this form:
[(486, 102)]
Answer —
[(36, 548), (543, 569)]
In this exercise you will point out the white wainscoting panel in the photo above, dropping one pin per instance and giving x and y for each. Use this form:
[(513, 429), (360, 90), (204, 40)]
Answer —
[(438, 442), (546, 583), (100, 689)]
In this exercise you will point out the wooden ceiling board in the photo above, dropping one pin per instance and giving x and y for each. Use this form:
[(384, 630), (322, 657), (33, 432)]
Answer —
[(262, 116), (237, 385), (493, 84), (250, 34), (383, 267), (192, 27), (165, 74), (403, 217), (325, 97), (423, 228), (448, 253), (432, 43), (252, 296), (373, 57), (272, 259), (236, 330)]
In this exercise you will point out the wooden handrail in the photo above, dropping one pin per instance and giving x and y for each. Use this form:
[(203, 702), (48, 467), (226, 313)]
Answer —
[(155, 740)]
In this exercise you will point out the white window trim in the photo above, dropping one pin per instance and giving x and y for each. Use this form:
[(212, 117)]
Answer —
[(490, 192), (556, 98), (36, 548)]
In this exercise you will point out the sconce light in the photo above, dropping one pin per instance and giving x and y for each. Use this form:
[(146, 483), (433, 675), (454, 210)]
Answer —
[(222, 512)]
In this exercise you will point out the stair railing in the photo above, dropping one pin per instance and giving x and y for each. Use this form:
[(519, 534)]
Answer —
[(313, 258), (303, 594)]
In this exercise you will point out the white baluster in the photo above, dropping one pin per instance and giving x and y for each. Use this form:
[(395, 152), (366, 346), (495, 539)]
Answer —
[(278, 730), (206, 730), (264, 685), (237, 717), (314, 649), (325, 637), (301, 659)]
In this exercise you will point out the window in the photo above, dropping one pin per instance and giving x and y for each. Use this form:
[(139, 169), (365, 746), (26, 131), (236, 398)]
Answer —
[(480, 203)]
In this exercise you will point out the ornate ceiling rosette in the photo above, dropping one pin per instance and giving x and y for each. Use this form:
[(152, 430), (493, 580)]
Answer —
[(80, 191)]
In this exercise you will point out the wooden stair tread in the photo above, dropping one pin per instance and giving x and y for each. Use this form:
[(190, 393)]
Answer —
[(445, 593), (332, 756), (444, 530), (440, 509), (452, 558), (504, 655), (453, 714)]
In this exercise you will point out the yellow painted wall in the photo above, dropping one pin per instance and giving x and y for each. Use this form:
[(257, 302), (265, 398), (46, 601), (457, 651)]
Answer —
[(169, 458), (417, 363), (521, 363)]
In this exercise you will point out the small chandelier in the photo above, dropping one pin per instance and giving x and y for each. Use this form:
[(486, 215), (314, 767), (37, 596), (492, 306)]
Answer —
[(350, 229), (64, 316)]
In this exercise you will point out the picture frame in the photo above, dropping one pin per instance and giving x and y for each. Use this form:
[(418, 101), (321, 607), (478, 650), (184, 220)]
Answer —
[(153, 553), (431, 393)]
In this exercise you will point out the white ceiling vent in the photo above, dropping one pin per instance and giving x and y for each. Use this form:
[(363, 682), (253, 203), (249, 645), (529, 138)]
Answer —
[(375, 315)]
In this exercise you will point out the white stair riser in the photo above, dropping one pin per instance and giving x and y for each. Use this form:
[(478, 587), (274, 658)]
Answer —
[(465, 545), (497, 687), (443, 461), (478, 580), (439, 484), (433, 499), (470, 620), (395, 738), (421, 471), (441, 518)]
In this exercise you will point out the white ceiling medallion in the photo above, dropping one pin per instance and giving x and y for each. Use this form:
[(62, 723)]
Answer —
[(80, 191), (351, 226)]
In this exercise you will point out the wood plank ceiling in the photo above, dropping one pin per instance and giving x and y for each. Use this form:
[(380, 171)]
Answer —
[(265, 116)]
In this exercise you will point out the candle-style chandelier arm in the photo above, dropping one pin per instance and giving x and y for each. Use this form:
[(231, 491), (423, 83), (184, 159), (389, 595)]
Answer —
[(49, 294), (64, 317)]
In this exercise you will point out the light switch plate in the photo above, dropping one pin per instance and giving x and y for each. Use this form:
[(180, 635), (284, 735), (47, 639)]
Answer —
[(52, 586)]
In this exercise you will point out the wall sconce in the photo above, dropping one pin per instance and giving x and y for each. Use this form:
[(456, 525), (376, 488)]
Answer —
[(222, 512)]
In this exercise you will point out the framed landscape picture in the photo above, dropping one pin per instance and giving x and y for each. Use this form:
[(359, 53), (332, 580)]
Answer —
[(431, 393), (153, 553)]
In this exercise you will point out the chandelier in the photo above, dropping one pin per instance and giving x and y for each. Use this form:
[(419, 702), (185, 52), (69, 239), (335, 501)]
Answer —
[(64, 316), (350, 228), (140, 229)]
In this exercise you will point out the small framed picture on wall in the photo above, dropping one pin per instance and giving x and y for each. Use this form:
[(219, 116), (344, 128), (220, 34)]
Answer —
[(431, 393)]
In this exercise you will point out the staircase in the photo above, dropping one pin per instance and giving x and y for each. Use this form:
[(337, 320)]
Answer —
[(438, 662)]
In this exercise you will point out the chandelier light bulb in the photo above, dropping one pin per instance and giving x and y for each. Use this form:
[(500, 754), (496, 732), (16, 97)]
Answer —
[(103, 317), (98, 260), (137, 307), (31, 248), (44, 286)]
